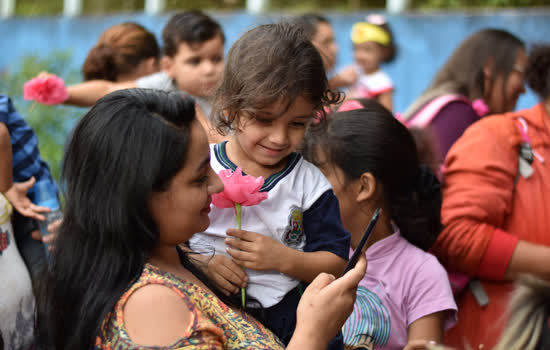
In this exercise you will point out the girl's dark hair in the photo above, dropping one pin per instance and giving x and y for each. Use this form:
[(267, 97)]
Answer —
[(465, 67), (267, 64), (309, 23), (190, 27), (129, 145), (119, 50), (537, 73), (371, 140)]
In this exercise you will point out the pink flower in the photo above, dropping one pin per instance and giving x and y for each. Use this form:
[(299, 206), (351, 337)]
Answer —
[(238, 189), (45, 89)]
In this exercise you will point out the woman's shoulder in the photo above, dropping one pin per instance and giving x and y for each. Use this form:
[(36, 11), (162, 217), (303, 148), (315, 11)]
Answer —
[(156, 314), (498, 128), (157, 309)]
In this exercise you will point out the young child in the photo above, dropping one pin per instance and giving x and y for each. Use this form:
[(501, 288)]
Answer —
[(372, 45), (21, 166), (370, 159), (273, 85), (192, 62)]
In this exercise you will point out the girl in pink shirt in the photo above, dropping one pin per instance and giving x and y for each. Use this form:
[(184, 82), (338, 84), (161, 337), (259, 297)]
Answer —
[(371, 161)]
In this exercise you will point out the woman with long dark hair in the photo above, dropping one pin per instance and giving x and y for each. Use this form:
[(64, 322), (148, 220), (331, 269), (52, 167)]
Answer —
[(139, 184)]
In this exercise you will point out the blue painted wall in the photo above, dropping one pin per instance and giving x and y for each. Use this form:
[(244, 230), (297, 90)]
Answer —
[(424, 40)]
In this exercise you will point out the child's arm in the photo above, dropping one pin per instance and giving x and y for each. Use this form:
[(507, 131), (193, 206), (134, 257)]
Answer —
[(385, 99), (346, 77), (87, 93), (429, 327), (258, 252), (6, 169)]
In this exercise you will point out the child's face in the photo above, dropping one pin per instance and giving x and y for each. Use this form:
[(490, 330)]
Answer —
[(368, 56), (182, 209), (342, 190), (197, 68), (271, 134)]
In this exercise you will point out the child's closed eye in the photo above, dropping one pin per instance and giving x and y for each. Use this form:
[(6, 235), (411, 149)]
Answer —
[(264, 121)]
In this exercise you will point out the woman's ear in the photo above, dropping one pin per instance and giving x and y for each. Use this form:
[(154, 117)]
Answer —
[(367, 188)]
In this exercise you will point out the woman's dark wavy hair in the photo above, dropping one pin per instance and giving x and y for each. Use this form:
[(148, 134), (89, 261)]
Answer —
[(371, 140), (129, 145), (269, 63)]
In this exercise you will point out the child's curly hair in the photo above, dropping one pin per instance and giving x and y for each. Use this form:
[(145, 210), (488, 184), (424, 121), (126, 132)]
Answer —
[(270, 63)]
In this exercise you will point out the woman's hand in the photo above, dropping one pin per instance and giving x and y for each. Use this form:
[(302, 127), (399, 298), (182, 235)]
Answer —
[(325, 306), (253, 250)]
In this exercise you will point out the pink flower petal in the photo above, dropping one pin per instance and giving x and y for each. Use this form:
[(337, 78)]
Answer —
[(239, 188), (49, 90)]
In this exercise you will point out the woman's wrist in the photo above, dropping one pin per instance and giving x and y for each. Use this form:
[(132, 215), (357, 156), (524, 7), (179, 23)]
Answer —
[(306, 339), (529, 258)]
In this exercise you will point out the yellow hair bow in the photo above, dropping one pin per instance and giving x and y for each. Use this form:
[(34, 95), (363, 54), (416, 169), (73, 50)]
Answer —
[(363, 32)]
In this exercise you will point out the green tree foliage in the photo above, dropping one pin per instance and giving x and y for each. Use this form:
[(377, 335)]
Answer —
[(52, 7), (461, 4), (52, 124)]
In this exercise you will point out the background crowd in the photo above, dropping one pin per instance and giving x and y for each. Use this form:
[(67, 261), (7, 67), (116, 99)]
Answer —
[(142, 259)]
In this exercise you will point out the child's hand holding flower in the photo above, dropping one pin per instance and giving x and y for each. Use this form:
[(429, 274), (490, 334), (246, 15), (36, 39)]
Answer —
[(46, 89), (255, 251), (239, 190)]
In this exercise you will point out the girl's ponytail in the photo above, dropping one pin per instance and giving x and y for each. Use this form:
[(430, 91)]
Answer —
[(417, 212)]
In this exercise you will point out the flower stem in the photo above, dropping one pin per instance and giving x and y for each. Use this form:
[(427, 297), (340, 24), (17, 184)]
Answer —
[(238, 212)]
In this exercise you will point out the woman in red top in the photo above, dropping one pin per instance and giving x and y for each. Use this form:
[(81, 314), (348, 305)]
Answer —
[(496, 210)]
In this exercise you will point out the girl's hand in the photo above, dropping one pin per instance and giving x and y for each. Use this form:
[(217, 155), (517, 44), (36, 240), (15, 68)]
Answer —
[(348, 76), (226, 274), (253, 250), (325, 306), (17, 196)]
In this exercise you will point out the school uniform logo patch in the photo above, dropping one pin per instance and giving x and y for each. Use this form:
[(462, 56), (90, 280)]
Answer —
[(294, 232)]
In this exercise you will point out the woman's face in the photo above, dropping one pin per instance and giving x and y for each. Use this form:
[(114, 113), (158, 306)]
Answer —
[(504, 91), (323, 40), (182, 209)]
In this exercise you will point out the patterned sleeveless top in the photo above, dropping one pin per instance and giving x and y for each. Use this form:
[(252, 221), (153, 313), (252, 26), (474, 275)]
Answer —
[(214, 325)]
